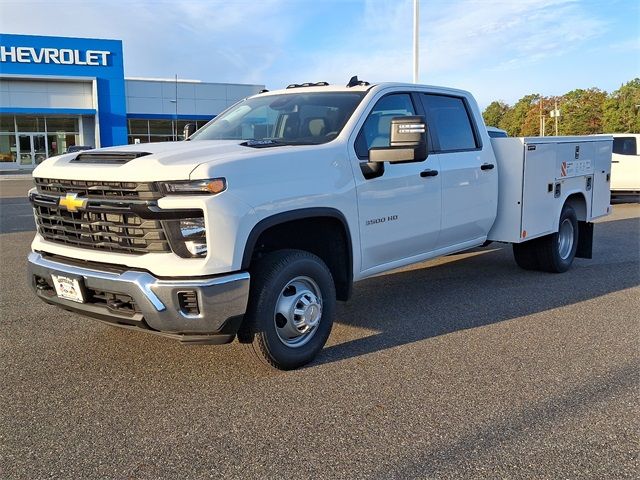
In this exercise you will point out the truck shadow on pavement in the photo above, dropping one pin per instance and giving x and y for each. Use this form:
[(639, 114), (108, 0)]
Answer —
[(479, 288)]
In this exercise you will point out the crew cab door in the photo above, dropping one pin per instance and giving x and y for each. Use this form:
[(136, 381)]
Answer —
[(468, 171), (399, 208)]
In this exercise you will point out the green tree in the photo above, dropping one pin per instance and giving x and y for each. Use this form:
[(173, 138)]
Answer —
[(582, 112), (514, 119), (494, 112), (622, 109)]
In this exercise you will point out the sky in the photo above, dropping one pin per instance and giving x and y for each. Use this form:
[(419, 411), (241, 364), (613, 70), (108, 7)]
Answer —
[(497, 49)]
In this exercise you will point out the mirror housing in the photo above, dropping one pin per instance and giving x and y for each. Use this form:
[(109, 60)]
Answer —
[(189, 129), (407, 142)]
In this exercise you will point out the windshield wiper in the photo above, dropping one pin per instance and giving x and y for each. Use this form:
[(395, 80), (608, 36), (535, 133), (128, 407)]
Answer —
[(268, 142)]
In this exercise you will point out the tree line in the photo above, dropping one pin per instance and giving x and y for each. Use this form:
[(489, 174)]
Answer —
[(582, 112)]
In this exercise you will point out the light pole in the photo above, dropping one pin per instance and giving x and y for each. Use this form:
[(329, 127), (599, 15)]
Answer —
[(416, 39), (555, 114), (175, 122)]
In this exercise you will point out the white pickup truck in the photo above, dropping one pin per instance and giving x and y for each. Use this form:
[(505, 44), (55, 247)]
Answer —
[(262, 219)]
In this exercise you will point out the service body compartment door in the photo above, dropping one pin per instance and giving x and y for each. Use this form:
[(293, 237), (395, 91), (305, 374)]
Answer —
[(601, 191), (538, 203)]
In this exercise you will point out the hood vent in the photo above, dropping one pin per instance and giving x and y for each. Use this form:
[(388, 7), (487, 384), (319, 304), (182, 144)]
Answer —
[(117, 158)]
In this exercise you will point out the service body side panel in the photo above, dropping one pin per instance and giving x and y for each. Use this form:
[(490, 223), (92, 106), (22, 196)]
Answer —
[(537, 175)]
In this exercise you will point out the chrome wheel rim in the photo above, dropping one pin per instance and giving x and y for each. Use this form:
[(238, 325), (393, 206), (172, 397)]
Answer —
[(298, 312), (565, 239)]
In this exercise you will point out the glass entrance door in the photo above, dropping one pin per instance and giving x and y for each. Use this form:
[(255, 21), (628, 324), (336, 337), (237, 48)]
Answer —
[(39, 148), (33, 149)]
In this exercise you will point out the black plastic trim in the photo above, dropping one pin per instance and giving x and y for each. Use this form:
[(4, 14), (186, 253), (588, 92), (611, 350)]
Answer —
[(299, 214), (108, 157), (144, 209), (152, 212)]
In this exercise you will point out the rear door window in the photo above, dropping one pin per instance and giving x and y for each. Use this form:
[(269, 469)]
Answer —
[(449, 120)]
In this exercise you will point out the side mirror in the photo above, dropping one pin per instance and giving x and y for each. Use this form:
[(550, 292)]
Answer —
[(408, 142), (189, 129)]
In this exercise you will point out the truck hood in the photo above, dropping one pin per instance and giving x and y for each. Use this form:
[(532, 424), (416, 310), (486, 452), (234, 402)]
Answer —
[(160, 161)]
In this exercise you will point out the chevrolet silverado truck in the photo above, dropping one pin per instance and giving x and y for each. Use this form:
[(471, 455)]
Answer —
[(261, 220)]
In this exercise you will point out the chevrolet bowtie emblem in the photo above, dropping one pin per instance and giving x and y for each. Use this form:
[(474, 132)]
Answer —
[(72, 203)]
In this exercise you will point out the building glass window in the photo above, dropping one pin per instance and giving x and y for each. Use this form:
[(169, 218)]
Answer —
[(8, 150), (138, 127), (58, 143), (36, 138), (161, 127), (154, 130), (28, 123), (62, 124), (7, 124)]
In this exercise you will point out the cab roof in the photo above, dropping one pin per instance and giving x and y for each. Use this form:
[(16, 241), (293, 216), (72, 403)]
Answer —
[(361, 88)]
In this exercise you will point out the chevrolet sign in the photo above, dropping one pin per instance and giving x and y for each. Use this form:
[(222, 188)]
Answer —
[(61, 56)]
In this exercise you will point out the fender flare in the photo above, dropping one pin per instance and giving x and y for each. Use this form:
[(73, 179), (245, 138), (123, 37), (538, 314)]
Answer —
[(299, 214)]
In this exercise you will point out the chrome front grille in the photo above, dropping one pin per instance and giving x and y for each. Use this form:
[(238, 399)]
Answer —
[(99, 190)]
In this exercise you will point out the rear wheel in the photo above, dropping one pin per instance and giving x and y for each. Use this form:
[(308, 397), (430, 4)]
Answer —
[(552, 253), (557, 251), (291, 307)]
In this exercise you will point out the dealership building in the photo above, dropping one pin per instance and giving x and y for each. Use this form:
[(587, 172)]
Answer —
[(56, 92)]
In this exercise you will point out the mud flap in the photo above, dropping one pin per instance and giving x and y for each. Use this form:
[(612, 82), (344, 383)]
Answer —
[(585, 240)]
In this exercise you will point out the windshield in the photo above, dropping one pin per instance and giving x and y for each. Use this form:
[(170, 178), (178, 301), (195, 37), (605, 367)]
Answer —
[(287, 119)]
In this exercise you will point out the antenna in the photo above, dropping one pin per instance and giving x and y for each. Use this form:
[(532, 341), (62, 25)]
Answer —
[(354, 82)]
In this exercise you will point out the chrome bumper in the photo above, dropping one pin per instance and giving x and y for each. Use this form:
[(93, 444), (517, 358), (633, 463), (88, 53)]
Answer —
[(222, 300)]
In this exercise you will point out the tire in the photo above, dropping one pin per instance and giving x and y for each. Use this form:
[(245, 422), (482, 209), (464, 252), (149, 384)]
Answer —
[(291, 307), (552, 253), (556, 252), (525, 255)]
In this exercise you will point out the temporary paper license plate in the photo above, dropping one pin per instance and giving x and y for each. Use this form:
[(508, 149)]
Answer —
[(68, 288)]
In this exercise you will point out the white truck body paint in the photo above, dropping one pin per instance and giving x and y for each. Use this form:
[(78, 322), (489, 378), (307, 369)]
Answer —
[(460, 208)]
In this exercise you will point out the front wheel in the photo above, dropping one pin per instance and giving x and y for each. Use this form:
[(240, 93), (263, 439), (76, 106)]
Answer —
[(291, 308)]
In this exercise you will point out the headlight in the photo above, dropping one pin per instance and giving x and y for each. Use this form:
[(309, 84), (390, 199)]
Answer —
[(188, 237), (210, 186)]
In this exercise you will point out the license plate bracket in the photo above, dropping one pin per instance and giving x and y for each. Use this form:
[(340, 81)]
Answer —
[(68, 287)]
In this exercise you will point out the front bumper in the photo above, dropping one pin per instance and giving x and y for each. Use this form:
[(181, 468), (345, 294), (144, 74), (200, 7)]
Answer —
[(154, 303)]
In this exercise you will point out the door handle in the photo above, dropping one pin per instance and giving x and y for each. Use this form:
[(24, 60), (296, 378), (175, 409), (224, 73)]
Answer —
[(615, 161), (428, 173), (486, 166)]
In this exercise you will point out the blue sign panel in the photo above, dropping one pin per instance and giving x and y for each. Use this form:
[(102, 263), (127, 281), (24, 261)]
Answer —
[(74, 57)]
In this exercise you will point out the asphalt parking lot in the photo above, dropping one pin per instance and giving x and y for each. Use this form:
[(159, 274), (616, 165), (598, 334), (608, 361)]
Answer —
[(464, 367)]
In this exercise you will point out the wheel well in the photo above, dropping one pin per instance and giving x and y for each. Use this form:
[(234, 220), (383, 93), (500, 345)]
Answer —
[(324, 236), (579, 205)]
